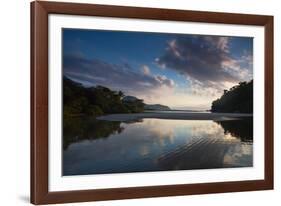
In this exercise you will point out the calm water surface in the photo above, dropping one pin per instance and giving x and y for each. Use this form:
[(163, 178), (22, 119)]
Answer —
[(100, 147)]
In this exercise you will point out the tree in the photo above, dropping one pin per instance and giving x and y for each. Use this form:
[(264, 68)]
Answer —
[(239, 99), (96, 100)]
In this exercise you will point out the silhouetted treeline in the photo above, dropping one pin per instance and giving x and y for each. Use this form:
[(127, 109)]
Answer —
[(95, 101), (238, 99)]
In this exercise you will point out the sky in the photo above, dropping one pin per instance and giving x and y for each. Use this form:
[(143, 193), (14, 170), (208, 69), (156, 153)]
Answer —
[(182, 71)]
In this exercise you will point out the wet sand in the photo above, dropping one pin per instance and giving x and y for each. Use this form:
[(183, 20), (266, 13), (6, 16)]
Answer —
[(174, 115)]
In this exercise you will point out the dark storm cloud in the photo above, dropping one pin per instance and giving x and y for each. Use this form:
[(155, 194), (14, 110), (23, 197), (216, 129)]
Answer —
[(119, 77), (205, 59)]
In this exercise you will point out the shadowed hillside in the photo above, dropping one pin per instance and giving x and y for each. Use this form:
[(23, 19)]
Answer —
[(96, 100), (239, 99)]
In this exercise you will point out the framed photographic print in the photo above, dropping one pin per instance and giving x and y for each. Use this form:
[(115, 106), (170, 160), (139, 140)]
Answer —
[(133, 102)]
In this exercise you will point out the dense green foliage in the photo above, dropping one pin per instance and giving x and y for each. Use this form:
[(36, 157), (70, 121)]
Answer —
[(238, 99), (95, 101)]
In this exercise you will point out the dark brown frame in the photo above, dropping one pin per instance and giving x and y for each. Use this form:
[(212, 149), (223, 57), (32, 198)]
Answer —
[(39, 102)]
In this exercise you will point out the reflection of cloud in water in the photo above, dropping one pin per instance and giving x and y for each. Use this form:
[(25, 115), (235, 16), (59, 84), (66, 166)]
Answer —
[(229, 137), (144, 150), (209, 130), (155, 145), (168, 128), (237, 154), (207, 153)]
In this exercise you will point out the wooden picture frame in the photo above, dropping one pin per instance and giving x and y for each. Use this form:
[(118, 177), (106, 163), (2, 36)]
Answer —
[(39, 102)]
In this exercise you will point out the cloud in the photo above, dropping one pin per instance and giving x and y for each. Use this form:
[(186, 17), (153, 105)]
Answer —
[(145, 70), (163, 80), (91, 72), (205, 61), (154, 89)]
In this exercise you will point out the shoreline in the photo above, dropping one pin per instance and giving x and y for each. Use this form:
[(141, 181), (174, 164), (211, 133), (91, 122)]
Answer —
[(174, 116)]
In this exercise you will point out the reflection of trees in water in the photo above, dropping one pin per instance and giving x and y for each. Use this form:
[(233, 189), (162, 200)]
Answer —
[(76, 129), (242, 129)]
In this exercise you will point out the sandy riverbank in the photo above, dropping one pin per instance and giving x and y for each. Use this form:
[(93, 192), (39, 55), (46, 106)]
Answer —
[(174, 115)]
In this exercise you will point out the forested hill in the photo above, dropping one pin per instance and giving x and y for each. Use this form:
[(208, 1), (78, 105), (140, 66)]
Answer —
[(238, 99), (95, 101)]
